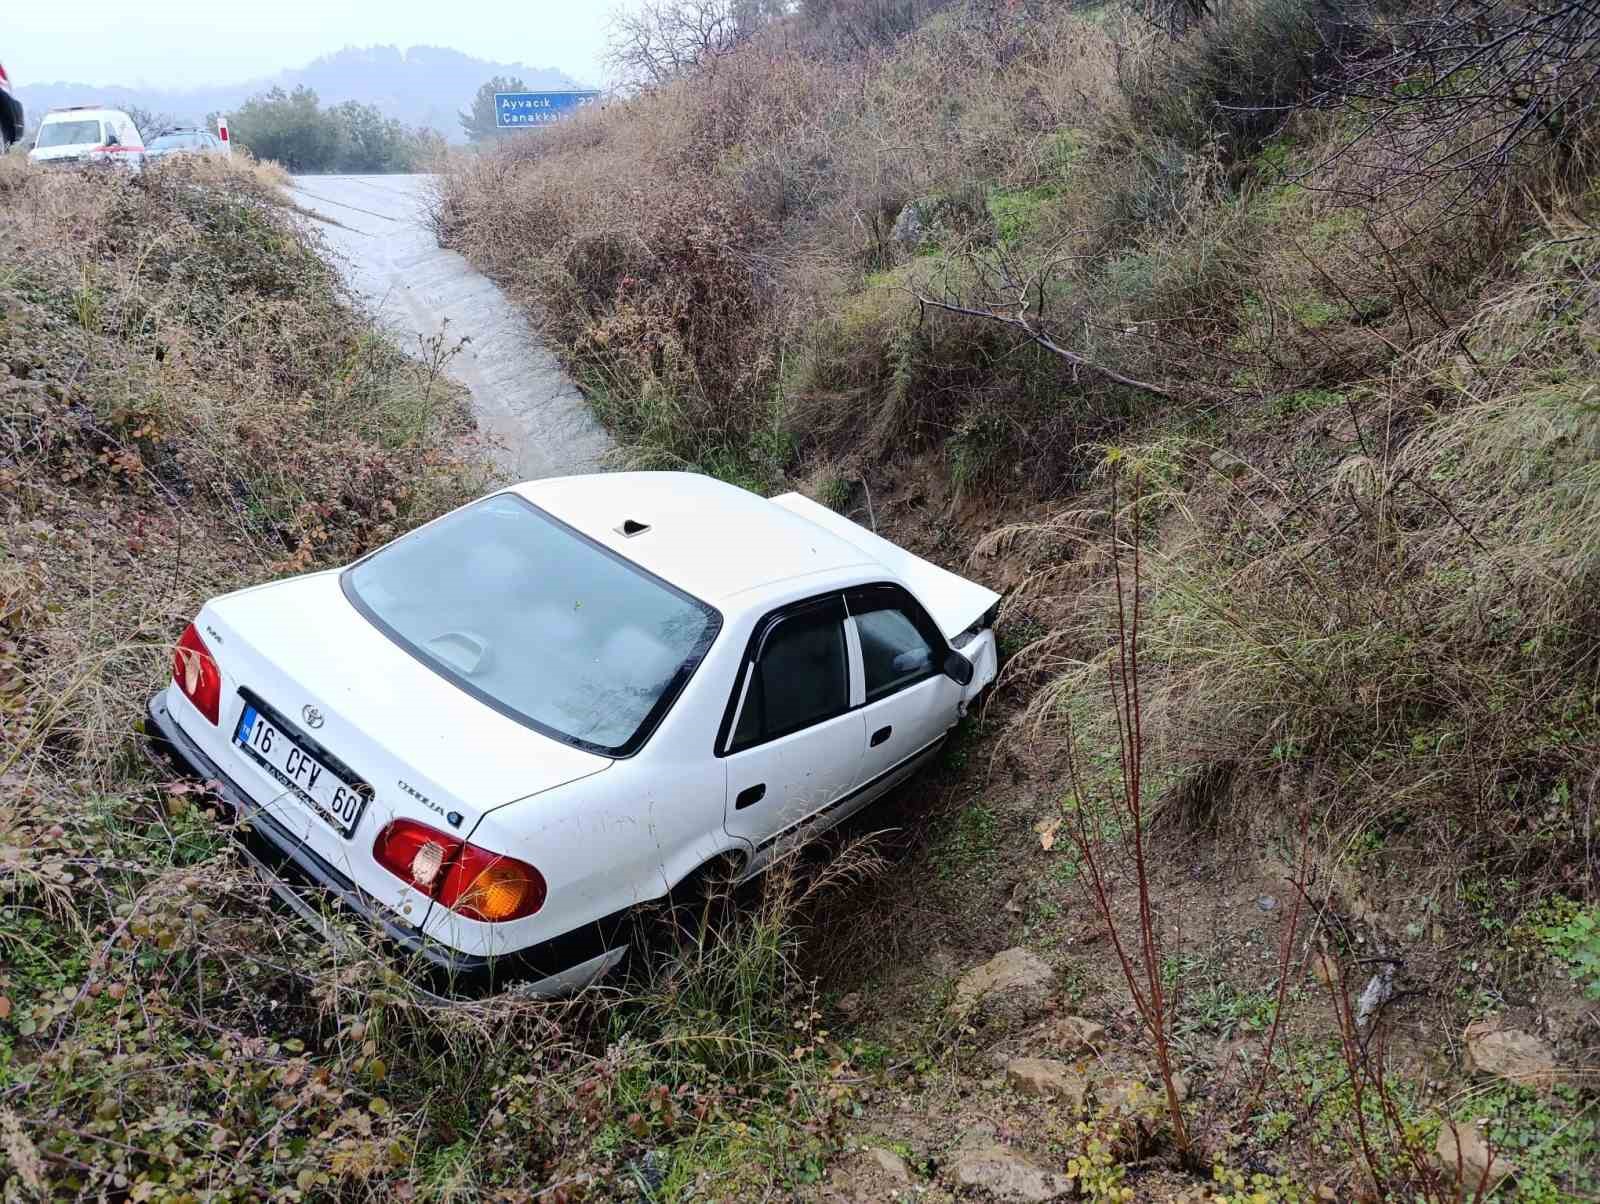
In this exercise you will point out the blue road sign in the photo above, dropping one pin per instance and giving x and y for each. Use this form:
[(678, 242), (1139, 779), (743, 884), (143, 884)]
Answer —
[(518, 110)]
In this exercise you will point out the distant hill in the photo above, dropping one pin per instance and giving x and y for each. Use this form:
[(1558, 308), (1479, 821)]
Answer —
[(425, 85)]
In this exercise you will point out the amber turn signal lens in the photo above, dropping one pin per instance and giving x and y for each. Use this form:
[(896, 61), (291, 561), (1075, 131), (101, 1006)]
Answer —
[(497, 893)]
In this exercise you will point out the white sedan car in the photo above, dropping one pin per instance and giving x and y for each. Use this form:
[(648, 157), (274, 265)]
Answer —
[(500, 734)]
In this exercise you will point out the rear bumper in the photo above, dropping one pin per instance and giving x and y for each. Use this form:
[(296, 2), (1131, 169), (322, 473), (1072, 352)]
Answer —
[(299, 876)]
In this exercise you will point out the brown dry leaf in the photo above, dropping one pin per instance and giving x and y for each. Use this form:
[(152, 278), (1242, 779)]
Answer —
[(1046, 828), (5, 1008)]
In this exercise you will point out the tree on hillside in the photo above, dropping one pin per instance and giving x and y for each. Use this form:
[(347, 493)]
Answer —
[(368, 141), (478, 122), (290, 128), (658, 40), (150, 122)]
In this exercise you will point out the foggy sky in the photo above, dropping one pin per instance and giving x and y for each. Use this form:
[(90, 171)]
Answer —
[(183, 43)]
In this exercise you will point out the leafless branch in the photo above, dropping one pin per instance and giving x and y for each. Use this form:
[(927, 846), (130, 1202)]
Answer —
[(1020, 321), (1471, 88), (655, 41)]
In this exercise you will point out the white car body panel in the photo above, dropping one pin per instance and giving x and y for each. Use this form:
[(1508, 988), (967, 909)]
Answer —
[(606, 833), (129, 154)]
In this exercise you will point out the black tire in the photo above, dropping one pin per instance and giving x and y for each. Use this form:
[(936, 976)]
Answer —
[(694, 909), (709, 897), (11, 121)]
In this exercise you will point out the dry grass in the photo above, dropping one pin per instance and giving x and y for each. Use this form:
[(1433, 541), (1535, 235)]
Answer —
[(715, 256), (1177, 219), (697, 240), (172, 347), (1368, 500), (264, 175), (1385, 605)]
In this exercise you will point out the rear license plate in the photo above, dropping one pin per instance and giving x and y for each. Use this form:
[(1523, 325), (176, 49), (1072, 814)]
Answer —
[(339, 803)]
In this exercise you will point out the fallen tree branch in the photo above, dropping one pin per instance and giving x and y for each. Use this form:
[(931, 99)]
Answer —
[(1043, 340)]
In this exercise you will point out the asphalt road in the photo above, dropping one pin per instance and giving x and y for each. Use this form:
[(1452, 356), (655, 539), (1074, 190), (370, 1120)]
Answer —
[(532, 414)]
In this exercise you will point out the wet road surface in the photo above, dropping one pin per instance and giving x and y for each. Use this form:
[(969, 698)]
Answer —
[(526, 406)]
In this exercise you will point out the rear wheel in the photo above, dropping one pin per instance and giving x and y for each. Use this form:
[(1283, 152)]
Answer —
[(676, 928)]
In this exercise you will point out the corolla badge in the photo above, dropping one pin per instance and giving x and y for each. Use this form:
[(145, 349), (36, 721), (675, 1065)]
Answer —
[(312, 716)]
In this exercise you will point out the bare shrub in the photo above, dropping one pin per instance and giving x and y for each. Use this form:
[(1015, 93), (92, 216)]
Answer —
[(1477, 89), (656, 41), (1239, 70), (857, 26), (1111, 835)]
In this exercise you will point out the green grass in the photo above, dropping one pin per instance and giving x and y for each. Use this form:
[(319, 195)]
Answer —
[(1212, 1004), (1017, 212), (968, 843), (1303, 401), (1553, 1140), (977, 451), (834, 492), (1572, 934)]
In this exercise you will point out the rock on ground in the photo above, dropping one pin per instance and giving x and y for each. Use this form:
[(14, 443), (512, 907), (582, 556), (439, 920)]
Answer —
[(869, 1177), (1007, 1176), (910, 228), (1076, 1034), (1463, 1154), (1511, 1054), (1010, 987), (1047, 1078)]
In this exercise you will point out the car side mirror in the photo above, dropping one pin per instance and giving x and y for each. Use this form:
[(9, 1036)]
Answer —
[(111, 140), (958, 668)]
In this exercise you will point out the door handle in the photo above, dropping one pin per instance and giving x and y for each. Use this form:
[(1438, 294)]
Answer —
[(882, 734), (750, 796)]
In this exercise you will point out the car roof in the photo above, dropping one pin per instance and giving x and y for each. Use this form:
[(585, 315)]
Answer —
[(83, 113), (709, 538)]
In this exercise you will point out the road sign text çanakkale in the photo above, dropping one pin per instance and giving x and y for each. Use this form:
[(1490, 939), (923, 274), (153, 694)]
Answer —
[(513, 110)]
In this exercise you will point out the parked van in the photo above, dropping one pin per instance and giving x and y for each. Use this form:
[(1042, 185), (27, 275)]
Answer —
[(88, 134)]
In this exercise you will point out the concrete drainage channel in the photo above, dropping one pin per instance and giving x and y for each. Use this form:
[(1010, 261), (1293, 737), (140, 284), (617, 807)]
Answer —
[(528, 409)]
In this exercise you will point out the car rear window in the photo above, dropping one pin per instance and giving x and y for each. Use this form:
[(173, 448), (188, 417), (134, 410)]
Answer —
[(176, 142), (538, 621), (69, 133)]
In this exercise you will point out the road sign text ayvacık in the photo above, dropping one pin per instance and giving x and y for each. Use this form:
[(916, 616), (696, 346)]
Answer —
[(513, 110)]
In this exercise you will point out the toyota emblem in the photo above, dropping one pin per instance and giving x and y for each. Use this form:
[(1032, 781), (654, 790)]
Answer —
[(311, 715)]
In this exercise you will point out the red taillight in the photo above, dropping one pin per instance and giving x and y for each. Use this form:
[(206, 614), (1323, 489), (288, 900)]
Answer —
[(468, 880), (195, 670)]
